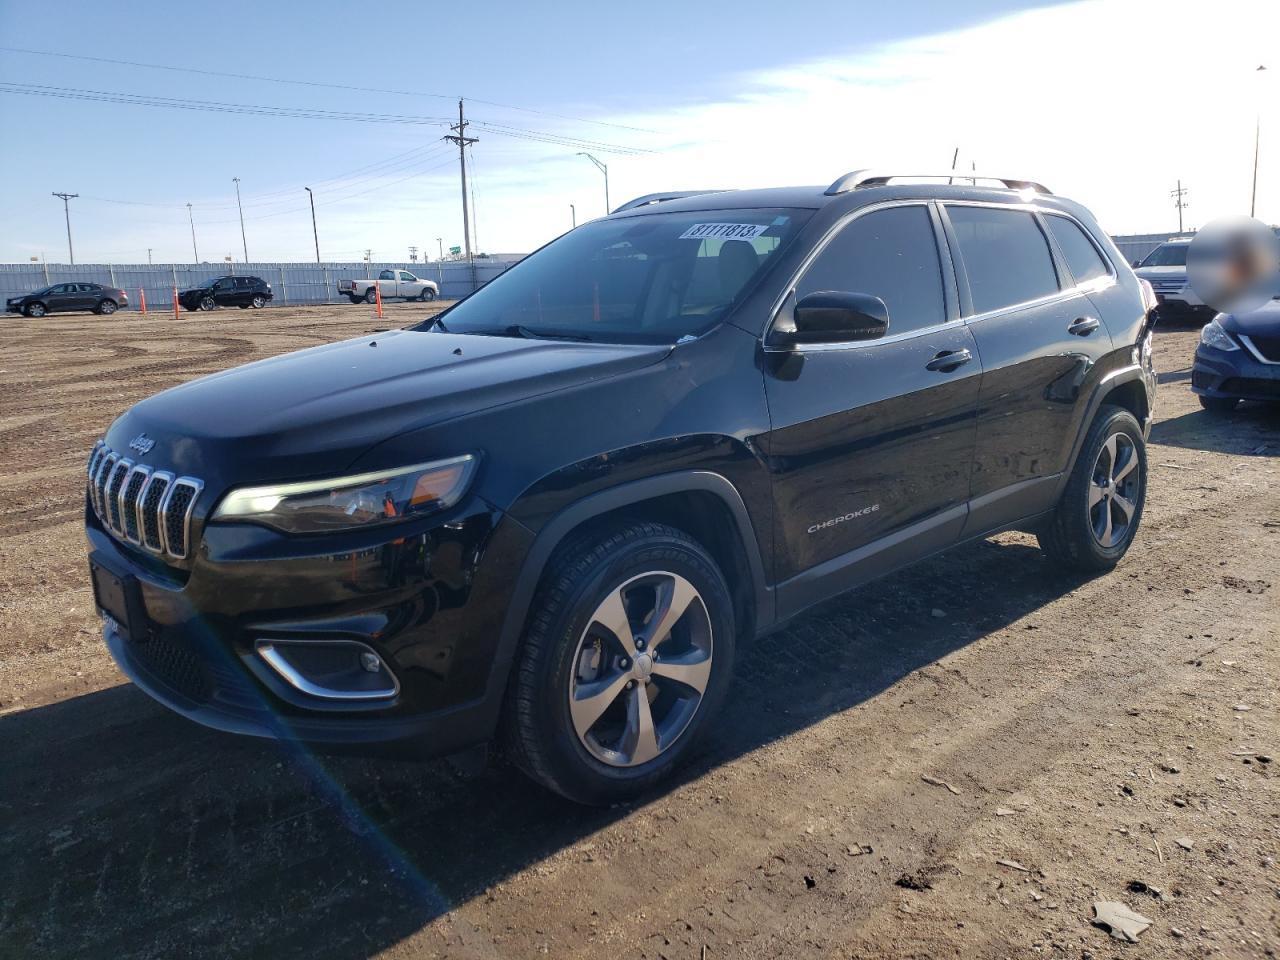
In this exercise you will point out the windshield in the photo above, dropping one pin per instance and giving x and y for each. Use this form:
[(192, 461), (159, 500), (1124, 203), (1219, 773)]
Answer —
[(1167, 255), (650, 279)]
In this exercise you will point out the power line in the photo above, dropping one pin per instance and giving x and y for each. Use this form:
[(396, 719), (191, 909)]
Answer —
[(316, 83)]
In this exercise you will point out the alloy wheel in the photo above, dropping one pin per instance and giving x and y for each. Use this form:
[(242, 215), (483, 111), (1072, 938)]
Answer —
[(36, 310), (641, 669), (107, 307), (207, 303), (259, 302), (1113, 490)]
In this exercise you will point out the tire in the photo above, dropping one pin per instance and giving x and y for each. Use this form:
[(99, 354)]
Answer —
[(207, 303), (106, 308), (566, 653), (1101, 507), (35, 310), (1221, 406), (259, 301), (354, 299), (371, 295), (243, 306), (427, 295)]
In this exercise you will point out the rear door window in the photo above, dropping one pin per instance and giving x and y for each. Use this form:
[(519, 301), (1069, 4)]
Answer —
[(387, 275), (1082, 256), (891, 254), (1005, 254)]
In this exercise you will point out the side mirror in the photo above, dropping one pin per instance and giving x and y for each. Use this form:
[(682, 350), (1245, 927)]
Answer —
[(832, 316), (1137, 263)]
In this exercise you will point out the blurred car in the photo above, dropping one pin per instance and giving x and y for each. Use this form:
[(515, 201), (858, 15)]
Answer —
[(69, 297), (1238, 358), (242, 292), (1165, 268)]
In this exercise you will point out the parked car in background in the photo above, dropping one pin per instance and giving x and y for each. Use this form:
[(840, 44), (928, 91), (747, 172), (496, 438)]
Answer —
[(551, 513), (1165, 268), (392, 284), (68, 297), (1238, 358), (242, 292)]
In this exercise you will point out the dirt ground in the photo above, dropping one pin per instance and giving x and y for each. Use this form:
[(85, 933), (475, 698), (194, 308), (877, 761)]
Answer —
[(887, 782)]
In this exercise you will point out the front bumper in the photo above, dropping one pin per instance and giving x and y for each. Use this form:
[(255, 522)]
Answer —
[(422, 601), (1234, 373)]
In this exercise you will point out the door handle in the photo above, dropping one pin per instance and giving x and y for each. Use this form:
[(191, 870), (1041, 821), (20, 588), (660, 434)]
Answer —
[(1084, 326), (948, 360)]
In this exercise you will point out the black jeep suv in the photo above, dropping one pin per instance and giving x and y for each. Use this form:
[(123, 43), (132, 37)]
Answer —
[(242, 292), (550, 513)]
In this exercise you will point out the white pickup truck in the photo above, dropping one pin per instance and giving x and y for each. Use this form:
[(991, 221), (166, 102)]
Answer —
[(392, 284)]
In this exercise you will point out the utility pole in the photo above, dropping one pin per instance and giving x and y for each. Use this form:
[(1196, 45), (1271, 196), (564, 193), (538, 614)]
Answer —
[(314, 233), (1180, 201), (236, 180), (413, 254), (954, 157), (463, 141), (148, 256), (573, 213), (440, 244), (66, 208), (194, 252), (1257, 135), (605, 170)]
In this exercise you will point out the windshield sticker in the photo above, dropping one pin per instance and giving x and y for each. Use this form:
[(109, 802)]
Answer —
[(724, 231)]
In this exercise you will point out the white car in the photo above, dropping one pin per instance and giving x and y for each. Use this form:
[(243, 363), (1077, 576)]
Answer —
[(392, 284), (1165, 268)]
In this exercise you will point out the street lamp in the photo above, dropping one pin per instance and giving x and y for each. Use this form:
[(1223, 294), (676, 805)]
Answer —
[(314, 232), (574, 214), (236, 180), (1257, 135), (605, 170)]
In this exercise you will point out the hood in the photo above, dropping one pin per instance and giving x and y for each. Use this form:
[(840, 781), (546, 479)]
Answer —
[(1263, 322), (1161, 273), (313, 412)]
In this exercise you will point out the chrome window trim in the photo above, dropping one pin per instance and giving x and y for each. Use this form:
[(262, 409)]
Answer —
[(1257, 354), (124, 489), (817, 250), (197, 486), (266, 649)]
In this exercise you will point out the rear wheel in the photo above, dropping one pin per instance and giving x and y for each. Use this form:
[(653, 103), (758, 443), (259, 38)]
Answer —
[(353, 298), (1219, 405), (1098, 515), (628, 656), (107, 307), (259, 301), (371, 296), (207, 303), (34, 310)]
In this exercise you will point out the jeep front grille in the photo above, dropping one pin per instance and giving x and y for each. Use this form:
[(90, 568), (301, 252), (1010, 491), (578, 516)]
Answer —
[(141, 505)]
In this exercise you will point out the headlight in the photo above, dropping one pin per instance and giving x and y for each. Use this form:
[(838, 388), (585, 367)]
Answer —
[(1214, 336), (343, 503)]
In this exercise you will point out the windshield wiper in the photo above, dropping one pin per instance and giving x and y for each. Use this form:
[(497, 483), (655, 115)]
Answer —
[(436, 321), (520, 330)]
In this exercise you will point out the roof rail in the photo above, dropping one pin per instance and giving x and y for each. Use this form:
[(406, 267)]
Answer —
[(878, 178), (649, 198)]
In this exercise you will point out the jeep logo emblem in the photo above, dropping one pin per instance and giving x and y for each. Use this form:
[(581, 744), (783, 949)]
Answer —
[(141, 444)]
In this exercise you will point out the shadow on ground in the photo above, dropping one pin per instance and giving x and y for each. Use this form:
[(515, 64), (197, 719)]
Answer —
[(1255, 431), (130, 832)]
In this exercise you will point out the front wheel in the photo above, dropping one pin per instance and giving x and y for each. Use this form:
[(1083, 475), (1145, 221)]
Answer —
[(1219, 405), (34, 310), (627, 657), (371, 296), (259, 301), (1098, 515), (207, 303), (427, 295), (107, 307)]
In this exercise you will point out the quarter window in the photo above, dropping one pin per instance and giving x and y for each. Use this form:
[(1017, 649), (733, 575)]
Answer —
[(1006, 256), (1081, 255), (891, 254)]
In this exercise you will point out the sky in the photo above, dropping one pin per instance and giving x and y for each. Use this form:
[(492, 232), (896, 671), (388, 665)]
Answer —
[(1110, 102)]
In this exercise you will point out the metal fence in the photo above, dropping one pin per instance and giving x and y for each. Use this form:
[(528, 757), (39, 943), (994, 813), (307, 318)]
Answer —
[(292, 283)]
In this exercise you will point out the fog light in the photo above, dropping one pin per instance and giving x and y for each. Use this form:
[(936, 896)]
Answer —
[(330, 669)]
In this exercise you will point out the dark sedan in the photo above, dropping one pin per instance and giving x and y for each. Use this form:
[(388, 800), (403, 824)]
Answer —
[(242, 292), (1238, 358), (67, 297)]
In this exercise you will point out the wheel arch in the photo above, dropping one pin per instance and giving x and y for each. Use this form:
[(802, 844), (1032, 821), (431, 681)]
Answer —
[(702, 503), (1129, 387)]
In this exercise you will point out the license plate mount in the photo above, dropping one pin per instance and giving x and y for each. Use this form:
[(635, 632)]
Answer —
[(119, 595)]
